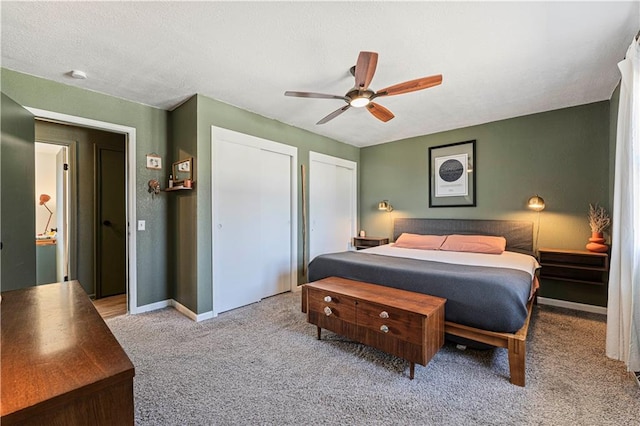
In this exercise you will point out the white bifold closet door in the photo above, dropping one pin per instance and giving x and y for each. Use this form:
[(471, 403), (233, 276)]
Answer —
[(253, 192), (332, 204)]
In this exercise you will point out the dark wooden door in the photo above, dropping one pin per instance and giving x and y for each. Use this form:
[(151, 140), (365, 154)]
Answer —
[(17, 202), (112, 223)]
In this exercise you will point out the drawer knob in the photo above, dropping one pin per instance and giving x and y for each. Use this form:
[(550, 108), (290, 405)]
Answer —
[(327, 299), (384, 328), (384, 314), (327, 311)]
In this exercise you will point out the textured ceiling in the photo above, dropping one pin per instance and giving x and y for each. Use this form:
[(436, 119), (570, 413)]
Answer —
[(498, 59)]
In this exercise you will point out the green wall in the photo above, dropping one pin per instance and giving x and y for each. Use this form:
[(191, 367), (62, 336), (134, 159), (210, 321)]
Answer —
[(174, 253), (151, 133), (18, 207), (562, 155), (183, 208), (195, 292)]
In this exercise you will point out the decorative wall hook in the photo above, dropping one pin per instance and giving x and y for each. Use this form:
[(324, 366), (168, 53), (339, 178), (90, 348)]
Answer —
[(154, 187)]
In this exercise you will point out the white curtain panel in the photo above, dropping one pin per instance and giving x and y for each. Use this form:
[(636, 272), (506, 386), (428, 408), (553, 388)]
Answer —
[(623, 313)]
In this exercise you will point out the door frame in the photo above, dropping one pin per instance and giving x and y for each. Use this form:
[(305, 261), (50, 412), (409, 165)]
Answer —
[(130, 158), (268, 145)]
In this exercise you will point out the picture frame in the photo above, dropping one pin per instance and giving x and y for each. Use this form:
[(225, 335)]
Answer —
[(154, 162), (452, 175)]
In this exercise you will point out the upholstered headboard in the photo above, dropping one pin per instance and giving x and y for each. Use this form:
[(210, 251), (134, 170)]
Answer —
[(519, 234)]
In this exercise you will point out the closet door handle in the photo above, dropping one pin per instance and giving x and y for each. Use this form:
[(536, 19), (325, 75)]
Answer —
[(107, 223)]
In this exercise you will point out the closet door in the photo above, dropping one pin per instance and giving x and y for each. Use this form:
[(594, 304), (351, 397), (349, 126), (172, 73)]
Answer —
[(275, 222), (332, 204), (254, 192), (237, 226)]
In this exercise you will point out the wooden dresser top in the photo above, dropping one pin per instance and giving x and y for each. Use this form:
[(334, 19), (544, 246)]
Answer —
[(55, 346)]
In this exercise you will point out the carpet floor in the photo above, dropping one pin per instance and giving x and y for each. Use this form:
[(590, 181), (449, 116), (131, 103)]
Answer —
[(262, 365)]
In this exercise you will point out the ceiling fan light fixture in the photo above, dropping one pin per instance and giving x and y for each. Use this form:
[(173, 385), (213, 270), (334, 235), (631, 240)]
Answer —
[(361, 96), (359, 102)]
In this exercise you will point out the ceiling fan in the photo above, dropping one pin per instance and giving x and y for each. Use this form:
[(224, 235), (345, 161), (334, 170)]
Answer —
[(361, 96)]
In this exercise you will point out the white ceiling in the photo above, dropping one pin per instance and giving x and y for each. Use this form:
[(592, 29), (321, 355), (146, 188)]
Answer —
[(498, 59)]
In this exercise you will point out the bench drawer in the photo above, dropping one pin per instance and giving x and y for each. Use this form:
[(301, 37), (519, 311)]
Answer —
[(403, 325), (339, 306)]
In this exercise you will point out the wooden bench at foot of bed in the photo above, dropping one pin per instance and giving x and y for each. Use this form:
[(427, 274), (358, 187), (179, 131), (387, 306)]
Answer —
[(514, 342)]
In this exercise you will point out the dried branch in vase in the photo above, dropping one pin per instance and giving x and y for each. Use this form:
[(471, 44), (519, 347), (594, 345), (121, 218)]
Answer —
[(598, 218)]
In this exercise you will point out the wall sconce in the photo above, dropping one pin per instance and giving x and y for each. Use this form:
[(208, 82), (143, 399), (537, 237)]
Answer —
[(536, 203), (44, 198), (385, 205)]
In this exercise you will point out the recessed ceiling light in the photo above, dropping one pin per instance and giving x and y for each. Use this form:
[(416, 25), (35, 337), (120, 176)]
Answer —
[(80, 75)]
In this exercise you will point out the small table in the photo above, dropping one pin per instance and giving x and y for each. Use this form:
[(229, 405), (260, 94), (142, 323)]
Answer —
[(402, 323)]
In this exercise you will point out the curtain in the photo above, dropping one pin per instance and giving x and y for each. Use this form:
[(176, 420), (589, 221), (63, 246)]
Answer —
[(623, 313)]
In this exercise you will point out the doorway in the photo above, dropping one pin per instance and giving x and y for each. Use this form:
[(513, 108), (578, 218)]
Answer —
[(96, 204), (111, 223)]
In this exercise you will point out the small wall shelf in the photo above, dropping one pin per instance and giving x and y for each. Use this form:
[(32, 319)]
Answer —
[(179, 188), (367, 242), (574, 265)]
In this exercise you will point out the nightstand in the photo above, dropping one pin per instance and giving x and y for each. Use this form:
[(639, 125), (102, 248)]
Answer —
[(366, 242), (574, 265)]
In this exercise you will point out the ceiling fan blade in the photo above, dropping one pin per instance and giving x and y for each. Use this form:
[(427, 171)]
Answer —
[(410, 86), (313, 95), (365, 68), (380, 112), (334, 114)]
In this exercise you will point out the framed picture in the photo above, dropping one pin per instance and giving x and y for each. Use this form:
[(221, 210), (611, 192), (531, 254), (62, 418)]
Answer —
[(154, 162), (452, 175)]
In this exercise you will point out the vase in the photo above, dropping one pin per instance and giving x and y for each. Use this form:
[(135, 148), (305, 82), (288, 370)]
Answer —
[(596, 243)]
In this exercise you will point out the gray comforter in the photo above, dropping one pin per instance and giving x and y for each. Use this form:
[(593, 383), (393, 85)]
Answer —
[(488, 298)]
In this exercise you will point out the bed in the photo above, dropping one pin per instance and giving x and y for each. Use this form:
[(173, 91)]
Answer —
[(489, 296)]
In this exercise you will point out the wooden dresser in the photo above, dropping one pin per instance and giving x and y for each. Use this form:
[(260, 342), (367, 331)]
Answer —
[(60, 363), (402, 323)]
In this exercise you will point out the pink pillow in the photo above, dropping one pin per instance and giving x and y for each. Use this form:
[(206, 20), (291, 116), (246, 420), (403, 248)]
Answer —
[(422, 242), (475, 244)]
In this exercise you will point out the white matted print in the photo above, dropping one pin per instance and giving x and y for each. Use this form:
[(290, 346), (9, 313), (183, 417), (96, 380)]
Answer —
[(154, 162), (451, 176)]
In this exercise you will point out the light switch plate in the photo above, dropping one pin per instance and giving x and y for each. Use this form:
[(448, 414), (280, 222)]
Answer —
[(141, 225)]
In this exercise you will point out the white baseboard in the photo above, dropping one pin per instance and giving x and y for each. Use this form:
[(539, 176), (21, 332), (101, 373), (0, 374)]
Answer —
[(572, 305), (152, 307), (177, 306), (189, 313)]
